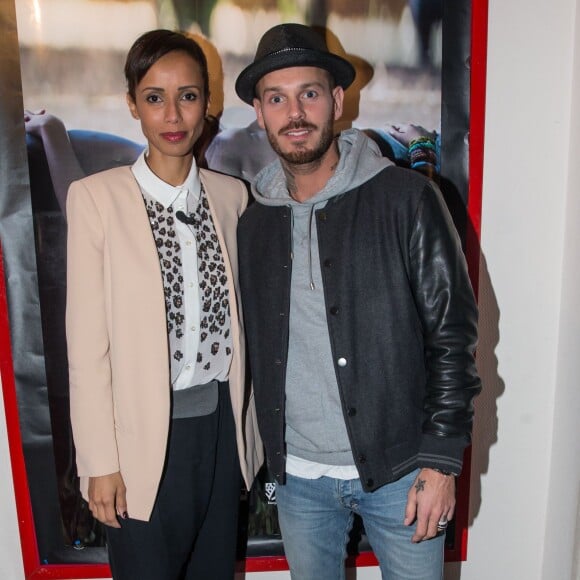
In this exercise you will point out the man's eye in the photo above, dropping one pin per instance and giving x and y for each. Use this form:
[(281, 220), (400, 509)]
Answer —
[(310, 94), (276, 99)]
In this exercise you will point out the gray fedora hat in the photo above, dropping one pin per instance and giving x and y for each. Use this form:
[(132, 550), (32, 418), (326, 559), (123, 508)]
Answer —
[(288, 45)]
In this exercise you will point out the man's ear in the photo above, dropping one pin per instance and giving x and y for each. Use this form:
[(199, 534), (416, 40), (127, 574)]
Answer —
[(338, 99), (258, 108), (132, 106)]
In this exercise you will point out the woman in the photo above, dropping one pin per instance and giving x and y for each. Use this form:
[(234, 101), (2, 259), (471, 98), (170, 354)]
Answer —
[(155, 339)]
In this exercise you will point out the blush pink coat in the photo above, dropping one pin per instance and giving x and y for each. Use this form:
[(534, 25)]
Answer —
[(117, 339)]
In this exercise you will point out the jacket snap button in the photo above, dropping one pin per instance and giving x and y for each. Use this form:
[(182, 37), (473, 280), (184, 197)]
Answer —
[(334, 310), (351, 412), (328, 263), (341, 362), (362, 458), (322, 216), (370, 482)]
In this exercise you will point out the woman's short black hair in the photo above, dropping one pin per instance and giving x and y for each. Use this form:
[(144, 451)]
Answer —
[(151, 46)]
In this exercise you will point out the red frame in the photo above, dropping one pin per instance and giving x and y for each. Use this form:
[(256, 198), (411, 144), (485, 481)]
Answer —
[(33, 568)]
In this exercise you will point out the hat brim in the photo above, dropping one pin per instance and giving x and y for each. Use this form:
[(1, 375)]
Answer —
[(340, 69)]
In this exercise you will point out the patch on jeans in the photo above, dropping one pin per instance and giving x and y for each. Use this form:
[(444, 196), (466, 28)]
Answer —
[(270, 492)]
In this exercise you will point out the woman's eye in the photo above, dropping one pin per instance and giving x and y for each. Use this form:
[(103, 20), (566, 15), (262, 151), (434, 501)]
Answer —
[(153, 99), (189, 97)]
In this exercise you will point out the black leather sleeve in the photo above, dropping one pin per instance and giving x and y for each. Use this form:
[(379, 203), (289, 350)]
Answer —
[(448, 312)]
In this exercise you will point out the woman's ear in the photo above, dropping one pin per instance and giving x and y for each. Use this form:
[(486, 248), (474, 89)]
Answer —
[(132, 106)]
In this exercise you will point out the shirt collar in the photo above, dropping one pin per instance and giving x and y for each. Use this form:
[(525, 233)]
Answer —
[(158, 189)]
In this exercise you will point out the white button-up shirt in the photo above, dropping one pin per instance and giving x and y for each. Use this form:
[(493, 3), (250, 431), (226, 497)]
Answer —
[(183, 198)]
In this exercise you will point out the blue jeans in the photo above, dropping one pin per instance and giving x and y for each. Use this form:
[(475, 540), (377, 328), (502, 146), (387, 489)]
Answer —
[(316, 516)]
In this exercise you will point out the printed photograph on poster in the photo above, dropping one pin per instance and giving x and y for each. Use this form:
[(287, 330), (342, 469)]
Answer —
[(77, 123)]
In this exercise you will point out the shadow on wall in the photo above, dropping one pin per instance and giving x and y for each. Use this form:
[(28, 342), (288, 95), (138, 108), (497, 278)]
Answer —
[(485, 427), (486, 420)]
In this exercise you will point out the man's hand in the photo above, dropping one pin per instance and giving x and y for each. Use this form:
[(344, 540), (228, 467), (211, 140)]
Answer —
[(107, 498), (430, 500)]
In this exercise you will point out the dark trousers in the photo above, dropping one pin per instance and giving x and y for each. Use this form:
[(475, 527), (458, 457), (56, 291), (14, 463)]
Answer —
[(192, 532)]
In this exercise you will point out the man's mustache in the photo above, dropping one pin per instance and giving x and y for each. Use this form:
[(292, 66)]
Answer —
[(297, 125)]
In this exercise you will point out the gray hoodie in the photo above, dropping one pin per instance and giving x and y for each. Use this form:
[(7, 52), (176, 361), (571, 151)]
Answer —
[(315, 427)]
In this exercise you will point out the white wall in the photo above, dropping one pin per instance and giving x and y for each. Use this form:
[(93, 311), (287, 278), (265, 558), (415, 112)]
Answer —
[(526, 464), (528, 470)]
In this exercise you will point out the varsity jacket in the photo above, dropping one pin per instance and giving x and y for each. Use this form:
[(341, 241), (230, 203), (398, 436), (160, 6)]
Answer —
[(401, 317)]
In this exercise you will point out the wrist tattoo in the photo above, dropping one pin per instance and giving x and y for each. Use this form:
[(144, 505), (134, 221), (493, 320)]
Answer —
[(420, 485)]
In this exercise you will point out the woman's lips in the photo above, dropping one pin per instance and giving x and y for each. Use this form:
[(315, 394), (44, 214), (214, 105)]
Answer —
[(174, 137)]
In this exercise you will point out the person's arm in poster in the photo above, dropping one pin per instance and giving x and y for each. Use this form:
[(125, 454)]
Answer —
[(63, 164), (410, 145)]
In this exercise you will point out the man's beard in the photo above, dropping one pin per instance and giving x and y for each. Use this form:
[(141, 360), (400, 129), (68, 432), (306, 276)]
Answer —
[(303, 156)]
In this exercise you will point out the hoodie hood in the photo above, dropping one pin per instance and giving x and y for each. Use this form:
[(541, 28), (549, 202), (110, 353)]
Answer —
[(360, 160)]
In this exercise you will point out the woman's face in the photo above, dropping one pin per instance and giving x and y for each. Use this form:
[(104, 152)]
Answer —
[(170, 101)]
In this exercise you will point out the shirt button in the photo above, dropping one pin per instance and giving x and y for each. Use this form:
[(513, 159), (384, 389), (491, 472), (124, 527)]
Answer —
[(190, 285), (188, 243), (193, 328), (341, 362), (187, 367)]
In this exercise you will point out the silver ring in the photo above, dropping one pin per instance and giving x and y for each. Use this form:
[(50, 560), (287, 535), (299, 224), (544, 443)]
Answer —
[(442, 524)]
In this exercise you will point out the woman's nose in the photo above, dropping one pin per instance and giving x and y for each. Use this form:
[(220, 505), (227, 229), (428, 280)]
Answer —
[(172, 112)]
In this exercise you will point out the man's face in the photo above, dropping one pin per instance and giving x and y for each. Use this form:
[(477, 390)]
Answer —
[(297, 107)]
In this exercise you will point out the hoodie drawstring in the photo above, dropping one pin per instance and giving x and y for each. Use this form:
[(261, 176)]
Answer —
[(312, 286)]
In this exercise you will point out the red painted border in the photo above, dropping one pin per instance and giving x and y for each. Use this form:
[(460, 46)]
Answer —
[(479, 17), (21, 491), (32, 565)]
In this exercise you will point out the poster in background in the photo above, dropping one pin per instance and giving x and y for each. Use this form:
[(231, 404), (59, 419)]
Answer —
[(411, 60)]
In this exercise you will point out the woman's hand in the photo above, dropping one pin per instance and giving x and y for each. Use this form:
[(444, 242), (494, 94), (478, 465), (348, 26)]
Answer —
[(107, 498)]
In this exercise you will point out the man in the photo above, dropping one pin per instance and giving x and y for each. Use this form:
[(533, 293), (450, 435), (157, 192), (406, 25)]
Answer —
[(361, 324)]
